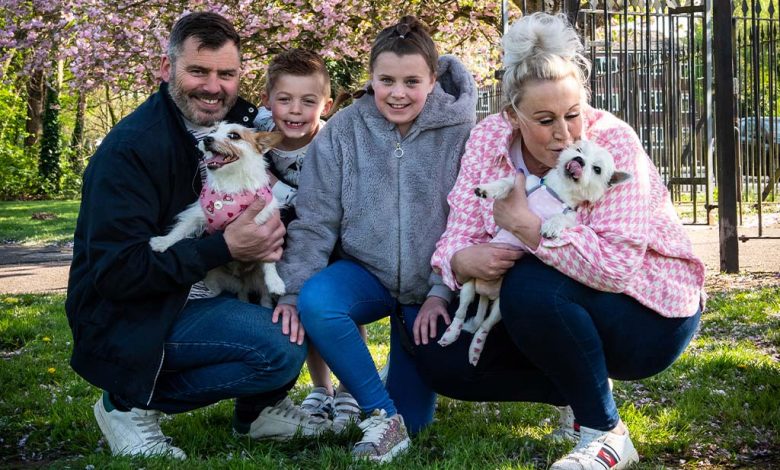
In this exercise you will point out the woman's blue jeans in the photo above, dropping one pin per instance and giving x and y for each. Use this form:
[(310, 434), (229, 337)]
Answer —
[(331, 304), (558, 343), (224, 348)]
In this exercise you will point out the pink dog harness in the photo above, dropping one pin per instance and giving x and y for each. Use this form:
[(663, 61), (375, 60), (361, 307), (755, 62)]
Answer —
[(543, 202), (221, 208)]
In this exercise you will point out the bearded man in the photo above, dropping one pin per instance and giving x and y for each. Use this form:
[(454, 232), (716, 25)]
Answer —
[(143, 330)]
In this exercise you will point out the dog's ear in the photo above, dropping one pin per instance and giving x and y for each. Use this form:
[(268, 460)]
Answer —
[(264, 141), (619, 177)]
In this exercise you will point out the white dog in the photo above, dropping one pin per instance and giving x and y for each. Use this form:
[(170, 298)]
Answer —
[(584, 173), (236, 176)]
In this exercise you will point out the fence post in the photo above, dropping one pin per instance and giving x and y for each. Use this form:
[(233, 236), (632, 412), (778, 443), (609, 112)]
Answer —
[(724, 132), (709, 136)]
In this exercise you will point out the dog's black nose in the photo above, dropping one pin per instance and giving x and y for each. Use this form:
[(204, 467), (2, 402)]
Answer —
[(208, 140)]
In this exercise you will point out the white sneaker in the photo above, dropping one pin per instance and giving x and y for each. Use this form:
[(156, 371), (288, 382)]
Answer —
[(285, 420), (135, 433), (318, 403), (599, 450), (383, 437), (568, 428), (345, 411)]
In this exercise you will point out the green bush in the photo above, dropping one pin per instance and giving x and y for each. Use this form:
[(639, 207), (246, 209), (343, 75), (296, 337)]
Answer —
[(20, 178)]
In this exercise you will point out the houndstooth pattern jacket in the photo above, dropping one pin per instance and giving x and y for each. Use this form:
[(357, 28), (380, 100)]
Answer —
[(631, 241)]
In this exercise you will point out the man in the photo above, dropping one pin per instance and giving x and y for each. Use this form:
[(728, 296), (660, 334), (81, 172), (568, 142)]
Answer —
[(141, 332)]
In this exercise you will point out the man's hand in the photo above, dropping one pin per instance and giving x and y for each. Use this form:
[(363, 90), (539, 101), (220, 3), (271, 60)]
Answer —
[(425, 324), (290, 324), (488, 261), (250, 242)]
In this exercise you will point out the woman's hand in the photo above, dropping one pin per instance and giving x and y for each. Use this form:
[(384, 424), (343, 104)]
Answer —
[(425, 323), (512, 213), (290, 324), (488, 261)]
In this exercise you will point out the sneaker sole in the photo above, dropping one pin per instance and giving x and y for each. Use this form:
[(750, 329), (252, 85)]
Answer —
[(399, 448)]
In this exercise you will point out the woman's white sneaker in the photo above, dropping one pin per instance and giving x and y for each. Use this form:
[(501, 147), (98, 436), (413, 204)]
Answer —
[(135, 433), (383, 437), (599, 450)]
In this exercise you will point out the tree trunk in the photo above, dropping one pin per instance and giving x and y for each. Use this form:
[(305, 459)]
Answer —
[(36, 91), (77, 139), (49, 162), (110, 107)]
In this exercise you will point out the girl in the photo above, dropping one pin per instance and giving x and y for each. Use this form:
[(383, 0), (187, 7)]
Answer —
[(373, 193)]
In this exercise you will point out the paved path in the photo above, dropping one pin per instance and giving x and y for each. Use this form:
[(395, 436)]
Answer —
[(34, 269)]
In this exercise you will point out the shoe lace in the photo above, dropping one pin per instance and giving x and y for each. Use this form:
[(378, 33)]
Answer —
[(150, 427), (374, 428), (291, 411)]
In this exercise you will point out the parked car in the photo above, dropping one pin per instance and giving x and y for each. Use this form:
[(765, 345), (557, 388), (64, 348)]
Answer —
[(768, 130), (759, 139)]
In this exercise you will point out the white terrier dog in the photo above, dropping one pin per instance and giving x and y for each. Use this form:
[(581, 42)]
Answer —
[(236, 176), (583, 174)]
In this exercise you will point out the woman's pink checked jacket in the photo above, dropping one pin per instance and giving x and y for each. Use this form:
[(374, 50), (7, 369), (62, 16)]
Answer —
[(631, 241)]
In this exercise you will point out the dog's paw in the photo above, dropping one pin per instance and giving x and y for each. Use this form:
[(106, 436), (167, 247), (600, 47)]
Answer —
[(452, 333), (276, 287), (555, 225), (159, 244), (273, 282), (498, 189)]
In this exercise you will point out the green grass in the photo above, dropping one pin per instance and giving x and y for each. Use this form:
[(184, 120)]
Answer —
[(17, 224), (716, 407)]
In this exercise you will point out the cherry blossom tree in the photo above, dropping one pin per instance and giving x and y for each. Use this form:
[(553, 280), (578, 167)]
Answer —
[(106, 55), (119, 43)]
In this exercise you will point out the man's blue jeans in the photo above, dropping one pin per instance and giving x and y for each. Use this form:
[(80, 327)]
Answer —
[(331, 305), (558, 343), (224, 348)]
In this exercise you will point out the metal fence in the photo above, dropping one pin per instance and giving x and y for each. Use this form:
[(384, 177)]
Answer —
[(653, 68), (757, 78)]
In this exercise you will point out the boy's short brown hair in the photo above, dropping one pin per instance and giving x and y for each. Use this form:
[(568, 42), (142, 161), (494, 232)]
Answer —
[(298, 62)]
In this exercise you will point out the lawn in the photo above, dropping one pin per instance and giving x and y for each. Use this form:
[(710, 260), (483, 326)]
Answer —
[(716, 407), (38, 222)]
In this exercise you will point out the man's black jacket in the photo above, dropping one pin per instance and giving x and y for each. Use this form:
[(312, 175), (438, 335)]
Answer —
[(122, 296)]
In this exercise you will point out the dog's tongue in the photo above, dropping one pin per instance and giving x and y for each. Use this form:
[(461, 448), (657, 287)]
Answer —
[(574, 168), (215, 160)]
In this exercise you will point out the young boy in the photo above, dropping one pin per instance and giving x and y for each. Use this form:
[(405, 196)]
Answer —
[(297, 93)]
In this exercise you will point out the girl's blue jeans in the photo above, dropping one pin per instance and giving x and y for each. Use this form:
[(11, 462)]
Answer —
[(331, 304), (558, 343), (224, 348)]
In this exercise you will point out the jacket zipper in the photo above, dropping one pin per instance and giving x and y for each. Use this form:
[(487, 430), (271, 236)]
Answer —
[(398, 153)]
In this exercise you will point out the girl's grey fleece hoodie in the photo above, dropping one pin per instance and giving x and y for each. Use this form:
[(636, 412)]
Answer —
[(377, 198)]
